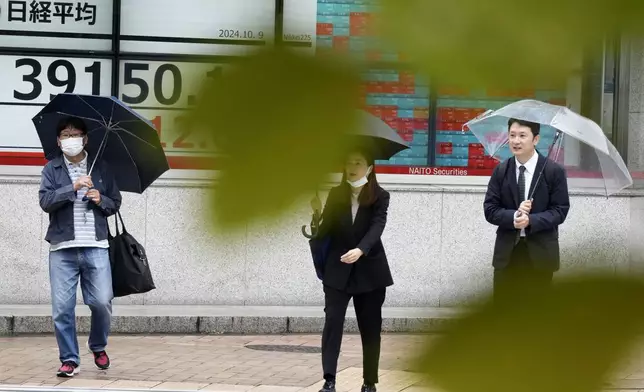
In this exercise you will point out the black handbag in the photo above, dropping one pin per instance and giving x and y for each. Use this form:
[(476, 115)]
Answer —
[(319, 246), (130, 268)]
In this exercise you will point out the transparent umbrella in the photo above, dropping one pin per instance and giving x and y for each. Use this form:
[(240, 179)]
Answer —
[(576, 142)]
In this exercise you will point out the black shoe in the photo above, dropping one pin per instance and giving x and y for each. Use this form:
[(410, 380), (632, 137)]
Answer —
[(101, 360), (329, 386), (368, 388)]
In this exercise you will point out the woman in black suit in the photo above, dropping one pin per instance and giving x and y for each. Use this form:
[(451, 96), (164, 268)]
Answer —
[(356, 266)]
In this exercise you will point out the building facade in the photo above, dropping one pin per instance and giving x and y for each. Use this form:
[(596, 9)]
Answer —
[(439, 243)]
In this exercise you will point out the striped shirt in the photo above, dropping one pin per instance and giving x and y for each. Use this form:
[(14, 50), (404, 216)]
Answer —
[(84, 229)]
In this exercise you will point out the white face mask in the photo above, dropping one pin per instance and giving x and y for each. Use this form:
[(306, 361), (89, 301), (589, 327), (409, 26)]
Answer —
[(362, 181), (72, 146)]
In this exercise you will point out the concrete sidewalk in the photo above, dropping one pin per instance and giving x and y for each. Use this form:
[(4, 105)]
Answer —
[(286, 363), (180, 319), (231, 363)]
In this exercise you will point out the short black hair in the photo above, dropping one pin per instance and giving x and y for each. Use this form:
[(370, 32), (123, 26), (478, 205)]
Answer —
[(73, 122), (534, 127)]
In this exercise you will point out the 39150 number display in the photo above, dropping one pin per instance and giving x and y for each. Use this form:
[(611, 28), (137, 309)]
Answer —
[(140, 74), (33, 75), (144, 88)]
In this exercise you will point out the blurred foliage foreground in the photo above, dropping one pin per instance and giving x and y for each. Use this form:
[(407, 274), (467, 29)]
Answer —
[(280, 114), (280, 117), (569, 339)]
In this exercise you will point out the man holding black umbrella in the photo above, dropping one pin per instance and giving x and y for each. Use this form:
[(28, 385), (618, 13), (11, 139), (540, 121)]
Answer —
[(527, 198), (78, 205)]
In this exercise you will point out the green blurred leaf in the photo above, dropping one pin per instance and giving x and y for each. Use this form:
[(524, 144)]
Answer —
[(279, 118), (568, 340), (505, 43)]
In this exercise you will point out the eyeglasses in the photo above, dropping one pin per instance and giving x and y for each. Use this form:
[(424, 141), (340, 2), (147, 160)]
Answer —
[(64, 136)]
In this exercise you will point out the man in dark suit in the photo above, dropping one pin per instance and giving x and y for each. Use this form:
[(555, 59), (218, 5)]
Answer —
[(528, 212)]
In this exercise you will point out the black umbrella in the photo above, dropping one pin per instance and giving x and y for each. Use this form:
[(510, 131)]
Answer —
[(374, 136), (377, 137), (122, 138), (381, 142)]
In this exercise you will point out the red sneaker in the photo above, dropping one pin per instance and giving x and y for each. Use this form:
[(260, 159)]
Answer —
[(68, 369), (101, 360)]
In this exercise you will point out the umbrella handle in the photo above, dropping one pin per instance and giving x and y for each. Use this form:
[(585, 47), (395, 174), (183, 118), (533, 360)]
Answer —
[(556, 139), (305, 234), (314, 218), (85, 198), (314, 228)]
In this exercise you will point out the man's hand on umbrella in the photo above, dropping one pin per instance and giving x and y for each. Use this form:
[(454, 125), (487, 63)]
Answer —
[(526, 206), (83, 182), (351, 256), (522, 221), (94, 196)]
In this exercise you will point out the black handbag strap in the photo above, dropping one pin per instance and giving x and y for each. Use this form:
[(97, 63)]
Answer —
[(118, 217)]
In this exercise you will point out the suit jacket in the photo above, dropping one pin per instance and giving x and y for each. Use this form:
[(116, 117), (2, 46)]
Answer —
[(371, 271), (549, 209)]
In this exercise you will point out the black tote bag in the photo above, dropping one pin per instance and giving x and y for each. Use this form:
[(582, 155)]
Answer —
[(130, 269)]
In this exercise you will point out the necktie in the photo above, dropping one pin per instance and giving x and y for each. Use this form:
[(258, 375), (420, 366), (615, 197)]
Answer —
[(521, 183)]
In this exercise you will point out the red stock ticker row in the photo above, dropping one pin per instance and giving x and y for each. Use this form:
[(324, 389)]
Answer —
[(360, 25), (402, 87), (206, 163)]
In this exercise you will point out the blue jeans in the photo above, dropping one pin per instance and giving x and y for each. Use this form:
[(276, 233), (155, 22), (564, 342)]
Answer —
[(92, 265)]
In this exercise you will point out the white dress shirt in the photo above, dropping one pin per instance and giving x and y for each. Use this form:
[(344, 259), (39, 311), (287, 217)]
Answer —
[(528, 174), (355, 204)]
